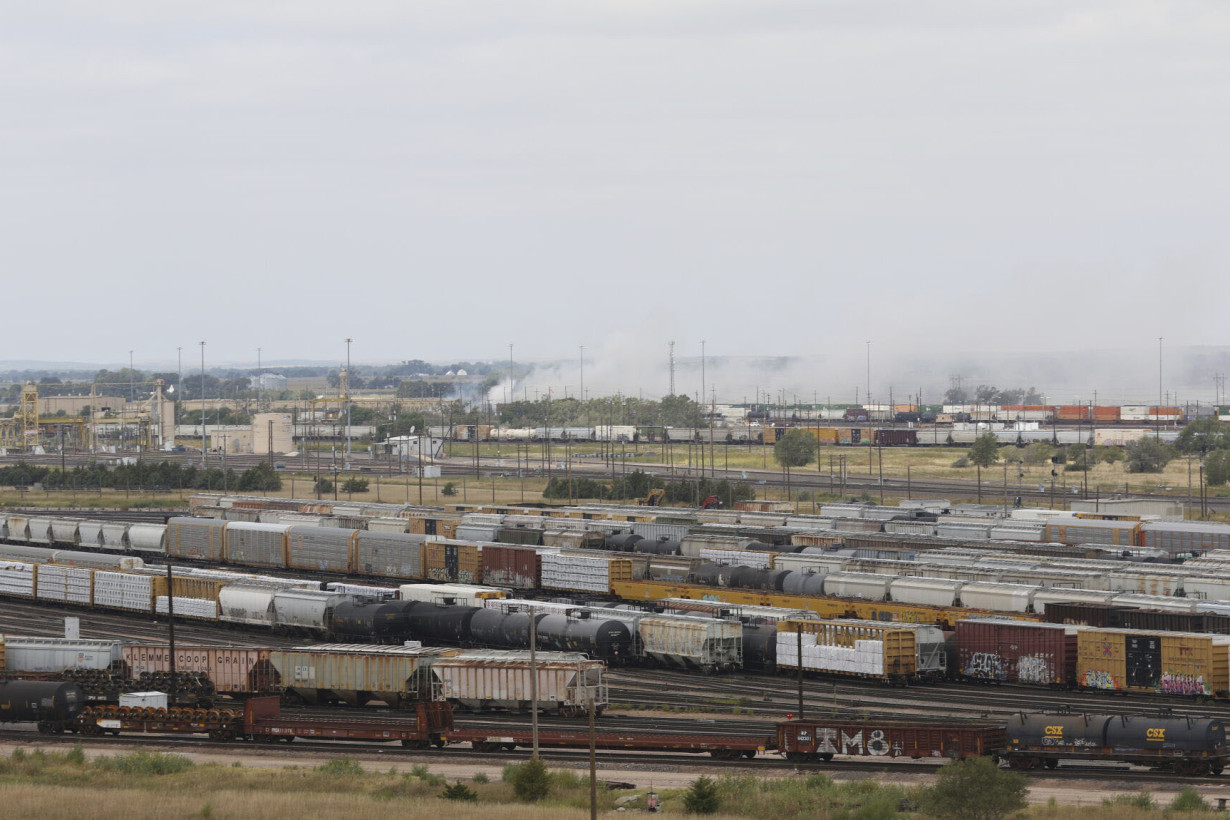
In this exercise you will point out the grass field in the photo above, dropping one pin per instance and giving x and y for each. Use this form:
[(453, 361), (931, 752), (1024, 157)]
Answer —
[(153, 786)]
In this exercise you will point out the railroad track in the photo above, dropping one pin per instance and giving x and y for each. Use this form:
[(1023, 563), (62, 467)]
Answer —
[(654, 689), (646, 761)]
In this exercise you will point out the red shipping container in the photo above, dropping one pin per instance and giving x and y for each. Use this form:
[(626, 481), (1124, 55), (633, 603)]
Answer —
[(1016, 651), (1072, 412), (1104, 413), (517, 567)]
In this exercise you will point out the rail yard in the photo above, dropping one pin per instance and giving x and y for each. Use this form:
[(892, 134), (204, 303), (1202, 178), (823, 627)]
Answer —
[(928, 631)]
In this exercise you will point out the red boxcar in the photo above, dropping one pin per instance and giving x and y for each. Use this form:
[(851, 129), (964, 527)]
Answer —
[(517, 567), (1016, 652), (889, 737)]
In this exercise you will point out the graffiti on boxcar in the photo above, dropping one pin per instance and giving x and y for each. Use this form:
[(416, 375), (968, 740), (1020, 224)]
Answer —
[(1099, 679), (1173, 683), (1035, 668), (986, 665)]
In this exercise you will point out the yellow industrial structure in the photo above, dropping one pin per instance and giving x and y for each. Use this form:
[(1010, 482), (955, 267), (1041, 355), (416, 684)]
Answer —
[(136, 425)]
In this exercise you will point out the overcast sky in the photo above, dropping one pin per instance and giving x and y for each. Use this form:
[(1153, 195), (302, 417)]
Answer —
[(439, 179)]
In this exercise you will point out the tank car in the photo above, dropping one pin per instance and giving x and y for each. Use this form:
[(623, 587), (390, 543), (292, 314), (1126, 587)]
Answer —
[(380, 621), (433, 623), (53, 705), (601, 638), (1184, 745)]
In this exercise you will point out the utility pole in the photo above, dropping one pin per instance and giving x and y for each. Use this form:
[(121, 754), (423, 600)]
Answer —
[(869, 376), (202, 405), (346, 398), (1157, 417), (672, 366), (582, 374)]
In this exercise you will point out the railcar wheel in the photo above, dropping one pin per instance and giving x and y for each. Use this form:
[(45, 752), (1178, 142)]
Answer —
[(796, 757), (1217, 768), (749, 754), (1051, 763), (414, 744), (826, 757)]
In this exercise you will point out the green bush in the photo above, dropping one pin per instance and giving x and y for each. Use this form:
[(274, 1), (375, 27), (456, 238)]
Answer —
[(530, 780), (481, 777), (975, 789), (324, 485), (459, 791), (76, 755), (355, 485), (702, 797), (961, 462), (340, 767), (145, 763), (1138, 800), (1188, 799), (449, 488)]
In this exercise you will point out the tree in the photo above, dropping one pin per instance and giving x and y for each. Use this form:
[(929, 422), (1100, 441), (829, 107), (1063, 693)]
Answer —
[(975, 789), (1148, 455), (260, 478), (702, 796), (985, 450), (530, 780), (1217, 468), (795, 449), (1203, 436)]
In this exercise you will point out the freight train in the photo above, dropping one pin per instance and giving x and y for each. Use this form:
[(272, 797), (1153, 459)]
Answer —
[(1183, 746)]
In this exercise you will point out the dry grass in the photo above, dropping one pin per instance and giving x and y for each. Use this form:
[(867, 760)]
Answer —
[(142, 804)]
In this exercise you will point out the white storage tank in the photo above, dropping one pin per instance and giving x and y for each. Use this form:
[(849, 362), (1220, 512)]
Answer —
[(115, 536), (247, 604), (857, 585), (305, 608), (89, 534), (40, 530), (64, 531), (148, 538), (926, 590), (29, 654), (998, 597)]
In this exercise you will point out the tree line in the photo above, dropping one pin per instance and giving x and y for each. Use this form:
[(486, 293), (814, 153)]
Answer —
[(161, 475)]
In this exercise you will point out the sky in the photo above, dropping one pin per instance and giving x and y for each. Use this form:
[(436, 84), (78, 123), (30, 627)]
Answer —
[(438, 180)]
